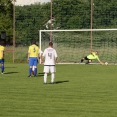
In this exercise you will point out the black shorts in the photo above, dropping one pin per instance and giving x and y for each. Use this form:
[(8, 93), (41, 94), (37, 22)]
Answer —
[(86, 58)]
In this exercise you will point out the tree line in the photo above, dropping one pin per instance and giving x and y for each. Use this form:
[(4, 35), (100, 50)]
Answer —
[(66, 14)]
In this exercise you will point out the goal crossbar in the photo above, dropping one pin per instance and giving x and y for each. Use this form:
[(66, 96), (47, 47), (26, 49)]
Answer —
[(79, 30)]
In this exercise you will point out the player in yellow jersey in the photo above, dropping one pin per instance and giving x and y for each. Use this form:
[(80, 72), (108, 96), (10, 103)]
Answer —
[(33, 68), (2, 58), (33, 56), (90, 57)]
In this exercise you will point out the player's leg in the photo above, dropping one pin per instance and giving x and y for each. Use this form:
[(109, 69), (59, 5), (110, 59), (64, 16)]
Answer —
[(85, 58), (46, 71), (88, 61), (30, 66), (52, 70), (2, 66), (33, 69), (35, 66)]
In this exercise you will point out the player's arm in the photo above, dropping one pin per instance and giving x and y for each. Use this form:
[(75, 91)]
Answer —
[(39, 58), (40, 54), (2, 53), (42, 59), (43, 56), (100, 62), (28, 56), (56, 57)]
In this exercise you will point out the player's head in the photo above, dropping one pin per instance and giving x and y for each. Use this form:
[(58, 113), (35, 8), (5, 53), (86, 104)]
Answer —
[(96, 52), (34, 41), (50, 44)]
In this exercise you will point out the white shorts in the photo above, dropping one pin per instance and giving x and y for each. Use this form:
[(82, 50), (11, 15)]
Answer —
[(48, 69)]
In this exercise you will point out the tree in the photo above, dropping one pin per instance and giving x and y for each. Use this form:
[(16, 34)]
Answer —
[(6, 17), (67, 14), (72, 14)]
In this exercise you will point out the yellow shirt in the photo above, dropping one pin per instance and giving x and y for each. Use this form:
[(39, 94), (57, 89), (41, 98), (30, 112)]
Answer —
[(33, 51), (1, 51), (93, 56)]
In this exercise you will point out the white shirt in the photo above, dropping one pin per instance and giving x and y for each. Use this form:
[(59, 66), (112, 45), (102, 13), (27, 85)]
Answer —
[(50, 54)]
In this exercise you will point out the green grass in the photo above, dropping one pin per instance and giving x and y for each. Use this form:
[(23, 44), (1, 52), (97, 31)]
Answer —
[(80, 91)]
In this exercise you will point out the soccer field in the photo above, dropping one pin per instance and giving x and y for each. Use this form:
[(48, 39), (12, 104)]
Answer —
[(79, 91)]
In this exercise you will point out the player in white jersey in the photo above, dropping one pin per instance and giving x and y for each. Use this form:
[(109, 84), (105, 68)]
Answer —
[(50, 56)]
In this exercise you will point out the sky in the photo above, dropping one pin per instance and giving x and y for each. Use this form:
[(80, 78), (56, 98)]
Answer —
[(28, 2)]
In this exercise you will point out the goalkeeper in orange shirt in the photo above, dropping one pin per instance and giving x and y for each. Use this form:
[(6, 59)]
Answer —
[(90, 57)]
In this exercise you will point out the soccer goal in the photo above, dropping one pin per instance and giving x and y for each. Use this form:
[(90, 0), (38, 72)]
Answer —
[(72, 45)]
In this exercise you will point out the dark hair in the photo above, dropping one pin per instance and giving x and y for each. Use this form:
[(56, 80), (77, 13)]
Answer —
[(33, 41), (50, 44)]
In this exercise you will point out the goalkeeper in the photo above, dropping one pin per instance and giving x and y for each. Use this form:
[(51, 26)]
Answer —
[(90, 57)]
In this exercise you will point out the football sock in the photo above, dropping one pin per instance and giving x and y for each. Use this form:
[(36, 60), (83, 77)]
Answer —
[(35, 71), (52, 77), (30, 71), (82, 60), (45, 78), (2, 67)]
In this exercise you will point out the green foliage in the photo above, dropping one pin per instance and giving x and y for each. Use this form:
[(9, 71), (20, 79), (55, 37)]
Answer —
[(68, 14), (72, 14), (6, 17), (26, 23), (105, 14)]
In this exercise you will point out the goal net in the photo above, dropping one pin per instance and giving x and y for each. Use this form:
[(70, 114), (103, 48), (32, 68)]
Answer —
[(72, 45)]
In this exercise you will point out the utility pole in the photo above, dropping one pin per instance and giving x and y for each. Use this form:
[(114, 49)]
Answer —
[(13, 30), (51, 20), (91, 25)]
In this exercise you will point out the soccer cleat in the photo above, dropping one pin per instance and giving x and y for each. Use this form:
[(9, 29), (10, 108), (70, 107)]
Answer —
[(52, 82), (29, 76), (35, 76), (2, 73)]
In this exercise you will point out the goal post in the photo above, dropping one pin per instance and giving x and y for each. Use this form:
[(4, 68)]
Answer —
[(72, 45)]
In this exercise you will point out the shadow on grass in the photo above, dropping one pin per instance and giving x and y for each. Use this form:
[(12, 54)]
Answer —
[(10, 67), (11, 72), (42, 74), (57, 82)]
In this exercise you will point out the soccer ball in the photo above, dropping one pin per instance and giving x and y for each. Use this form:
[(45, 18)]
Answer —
[(106, 63)]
